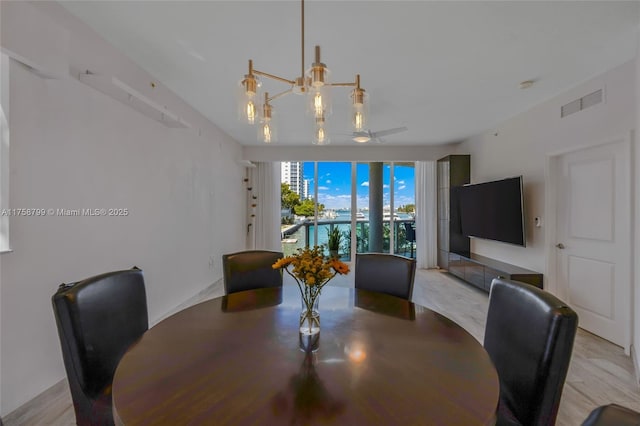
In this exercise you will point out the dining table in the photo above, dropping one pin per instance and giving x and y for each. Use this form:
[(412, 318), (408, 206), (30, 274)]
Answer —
[(240, 359)]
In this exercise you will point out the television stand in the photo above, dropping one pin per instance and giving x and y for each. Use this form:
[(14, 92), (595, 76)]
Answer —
[(480, 271)]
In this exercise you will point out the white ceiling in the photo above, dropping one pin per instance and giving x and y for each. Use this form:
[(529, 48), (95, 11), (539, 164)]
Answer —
[(446, 70)]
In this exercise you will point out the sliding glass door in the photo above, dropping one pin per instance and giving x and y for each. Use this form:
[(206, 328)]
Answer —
[(366, 207)]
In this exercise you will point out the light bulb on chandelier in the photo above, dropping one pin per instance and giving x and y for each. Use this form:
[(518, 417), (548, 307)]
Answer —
[(251, 112), (359, 107), (267, 133), (320, 136), (247, 93), (267, 128), (319, 102)]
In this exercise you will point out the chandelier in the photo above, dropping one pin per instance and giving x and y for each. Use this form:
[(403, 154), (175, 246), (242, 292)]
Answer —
[(314, 84)]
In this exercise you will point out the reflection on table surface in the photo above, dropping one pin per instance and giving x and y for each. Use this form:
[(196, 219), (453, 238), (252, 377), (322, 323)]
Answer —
[(237, 360)]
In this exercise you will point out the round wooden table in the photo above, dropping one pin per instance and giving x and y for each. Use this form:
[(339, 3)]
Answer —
[(237, 360)]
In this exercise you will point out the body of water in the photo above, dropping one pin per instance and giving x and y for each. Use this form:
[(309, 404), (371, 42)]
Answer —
[(298, 239)]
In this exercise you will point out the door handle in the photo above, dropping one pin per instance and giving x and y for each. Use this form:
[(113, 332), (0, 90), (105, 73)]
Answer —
[(560, 246)]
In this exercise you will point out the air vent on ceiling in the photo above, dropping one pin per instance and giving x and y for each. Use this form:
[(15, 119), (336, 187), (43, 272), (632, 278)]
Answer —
[(583, 103)]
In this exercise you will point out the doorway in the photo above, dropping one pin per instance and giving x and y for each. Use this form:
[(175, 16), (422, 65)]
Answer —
[(590, 250)]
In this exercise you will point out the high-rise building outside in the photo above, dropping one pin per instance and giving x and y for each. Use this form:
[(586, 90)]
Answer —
[(292, 174), (305, 189)]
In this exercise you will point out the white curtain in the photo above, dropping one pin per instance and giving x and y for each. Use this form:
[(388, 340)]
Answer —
[(265, 179), (426, 214)]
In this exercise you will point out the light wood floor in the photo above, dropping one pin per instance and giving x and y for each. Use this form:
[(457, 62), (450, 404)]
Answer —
[(600, 373)]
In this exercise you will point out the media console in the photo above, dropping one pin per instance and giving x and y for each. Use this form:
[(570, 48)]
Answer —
[(480, 271)]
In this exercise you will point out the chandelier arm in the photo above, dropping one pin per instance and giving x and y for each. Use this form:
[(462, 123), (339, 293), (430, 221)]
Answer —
[(274, 97), (274, 77), (342, 84)]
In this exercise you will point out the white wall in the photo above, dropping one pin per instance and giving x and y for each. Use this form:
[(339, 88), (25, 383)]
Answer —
[(520, 146), (73, 147), (4, 175), (636, 294)]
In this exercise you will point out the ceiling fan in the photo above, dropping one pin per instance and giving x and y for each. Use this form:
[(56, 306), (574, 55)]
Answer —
[(366, 135)]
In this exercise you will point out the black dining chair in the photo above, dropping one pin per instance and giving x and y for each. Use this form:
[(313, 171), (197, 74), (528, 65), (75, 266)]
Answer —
[(251, 269), (612, 415), (410, 233), (385, 273), (529, 336), (98, 319)]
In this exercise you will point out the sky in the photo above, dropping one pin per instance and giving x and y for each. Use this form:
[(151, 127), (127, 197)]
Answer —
[(334, 184)]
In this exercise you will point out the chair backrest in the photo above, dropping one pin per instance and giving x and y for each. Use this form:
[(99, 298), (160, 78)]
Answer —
[(248, 270), (385, 273), (410, 232), (98, 319), (529, 336)]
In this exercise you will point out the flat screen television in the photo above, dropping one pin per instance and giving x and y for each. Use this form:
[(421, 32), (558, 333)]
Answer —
[(493, 210)]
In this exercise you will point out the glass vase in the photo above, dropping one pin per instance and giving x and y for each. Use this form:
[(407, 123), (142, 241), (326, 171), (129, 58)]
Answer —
[(310, 316)]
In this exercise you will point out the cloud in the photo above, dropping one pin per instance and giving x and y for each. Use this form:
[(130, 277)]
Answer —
[(334, 201), (362, 202), (401, 187), (365, 183), (328, 182), (385, 186), (323, 188), (401, 182), (402, 200)]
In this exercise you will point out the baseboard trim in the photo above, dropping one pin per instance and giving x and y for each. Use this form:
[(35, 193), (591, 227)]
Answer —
[(636, 364), (53, 395), (215, 289)]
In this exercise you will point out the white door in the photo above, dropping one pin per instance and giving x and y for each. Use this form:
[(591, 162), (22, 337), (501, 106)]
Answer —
[(593, 239)]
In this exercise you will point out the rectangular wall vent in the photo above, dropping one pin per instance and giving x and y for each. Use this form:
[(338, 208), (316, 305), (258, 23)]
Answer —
[(583, 103)]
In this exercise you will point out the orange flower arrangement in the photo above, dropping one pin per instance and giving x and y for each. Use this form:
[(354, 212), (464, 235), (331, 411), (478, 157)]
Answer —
[(311, 271), (311, 267)]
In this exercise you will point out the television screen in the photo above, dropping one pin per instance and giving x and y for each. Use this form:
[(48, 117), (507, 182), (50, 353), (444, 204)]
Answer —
[(493, 210)]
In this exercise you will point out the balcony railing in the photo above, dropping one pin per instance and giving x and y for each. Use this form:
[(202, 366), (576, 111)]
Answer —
[(404, 236)]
